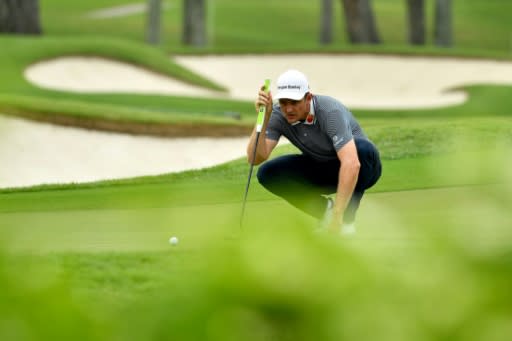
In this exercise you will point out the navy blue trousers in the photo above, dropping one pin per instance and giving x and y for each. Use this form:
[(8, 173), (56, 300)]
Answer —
[(302, 180)]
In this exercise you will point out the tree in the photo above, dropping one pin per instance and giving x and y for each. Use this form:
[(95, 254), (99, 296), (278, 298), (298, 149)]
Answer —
[(20, 16), (153, 21), (194, 24), (326, 22), (360, 22), (416, 21), (443, 23)]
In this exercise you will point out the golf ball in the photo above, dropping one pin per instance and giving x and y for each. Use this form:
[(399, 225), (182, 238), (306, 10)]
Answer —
[(173, 240)]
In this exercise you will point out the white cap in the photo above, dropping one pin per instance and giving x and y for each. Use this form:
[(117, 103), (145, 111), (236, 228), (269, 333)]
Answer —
[(292, 84)]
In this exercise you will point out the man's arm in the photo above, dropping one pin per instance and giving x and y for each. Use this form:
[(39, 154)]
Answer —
[(349, 171), (265, 147)]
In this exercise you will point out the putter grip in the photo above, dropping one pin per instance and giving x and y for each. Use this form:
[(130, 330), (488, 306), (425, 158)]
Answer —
[(261, 112)]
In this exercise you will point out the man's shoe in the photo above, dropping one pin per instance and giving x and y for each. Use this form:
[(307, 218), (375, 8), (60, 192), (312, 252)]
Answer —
[(326, 220), (348, 229)]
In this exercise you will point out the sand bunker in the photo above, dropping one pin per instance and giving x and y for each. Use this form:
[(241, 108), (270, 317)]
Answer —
[(99, 75), (34, 153), (39, 153), (359, 81)]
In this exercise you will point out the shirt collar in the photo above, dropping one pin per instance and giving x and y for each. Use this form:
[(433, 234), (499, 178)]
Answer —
[(310, 118)]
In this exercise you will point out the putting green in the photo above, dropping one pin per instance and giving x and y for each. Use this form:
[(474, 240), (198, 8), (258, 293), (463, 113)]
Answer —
[(473, 214)]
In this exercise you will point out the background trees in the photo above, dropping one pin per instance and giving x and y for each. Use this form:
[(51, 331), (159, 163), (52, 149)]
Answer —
[(153, 27), (443, 23), (416, 22), (326, 22), (193, 27), (360, 21), (194, 22), (20, 16), (361, 27)]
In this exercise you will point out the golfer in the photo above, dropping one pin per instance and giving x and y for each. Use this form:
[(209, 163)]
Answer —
[(337, 156)]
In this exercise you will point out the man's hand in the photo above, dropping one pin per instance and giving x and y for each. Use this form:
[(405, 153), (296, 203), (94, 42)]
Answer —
[(265, 99), (334, 226), (349, 171), (265, 146)]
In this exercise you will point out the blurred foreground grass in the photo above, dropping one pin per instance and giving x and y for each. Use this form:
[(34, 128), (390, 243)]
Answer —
[(425, 264), (432, 258)]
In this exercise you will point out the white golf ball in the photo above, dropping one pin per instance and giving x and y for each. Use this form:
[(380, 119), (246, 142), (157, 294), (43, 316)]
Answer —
[(173, 240)]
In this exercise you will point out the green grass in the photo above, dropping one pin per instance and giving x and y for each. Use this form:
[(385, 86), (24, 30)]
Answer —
[(404, 142), (484, 31), (17, 97), (477, 25), (21, 51), (96, 256), (111, 272), (432, 259)]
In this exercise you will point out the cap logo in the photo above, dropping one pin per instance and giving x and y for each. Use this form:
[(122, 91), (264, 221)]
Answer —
[(292, 84), (282, 87)]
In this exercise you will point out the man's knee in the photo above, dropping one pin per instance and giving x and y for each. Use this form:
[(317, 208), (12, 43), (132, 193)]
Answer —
[(260, 174), (364, 147), (272, 171), (371, 167), (264, 174)]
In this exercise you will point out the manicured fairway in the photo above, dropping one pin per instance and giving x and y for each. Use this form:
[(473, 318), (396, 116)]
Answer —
[(461, 212), (97, 258), (431, 259), (416, 251)]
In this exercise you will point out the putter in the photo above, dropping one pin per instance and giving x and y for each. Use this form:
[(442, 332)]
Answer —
[(259, 126)]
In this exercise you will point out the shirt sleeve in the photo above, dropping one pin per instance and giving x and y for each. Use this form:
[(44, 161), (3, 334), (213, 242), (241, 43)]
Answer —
[(274, 130), (338, 128)]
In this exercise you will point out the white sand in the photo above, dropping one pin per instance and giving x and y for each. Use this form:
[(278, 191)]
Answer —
[(359, 81), (99, 75), (35, 153)]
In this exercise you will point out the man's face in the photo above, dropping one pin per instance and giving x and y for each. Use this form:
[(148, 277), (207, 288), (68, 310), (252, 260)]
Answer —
[(295, 110)]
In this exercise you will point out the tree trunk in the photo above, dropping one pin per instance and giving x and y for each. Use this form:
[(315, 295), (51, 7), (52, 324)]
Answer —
[(443, 23), (20, 16), (416, 21), (326, 22), (360, 22), (153, 21), (194, 25)]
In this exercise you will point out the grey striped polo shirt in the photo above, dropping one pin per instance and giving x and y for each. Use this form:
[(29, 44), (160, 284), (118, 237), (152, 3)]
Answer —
[(333, 126)]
